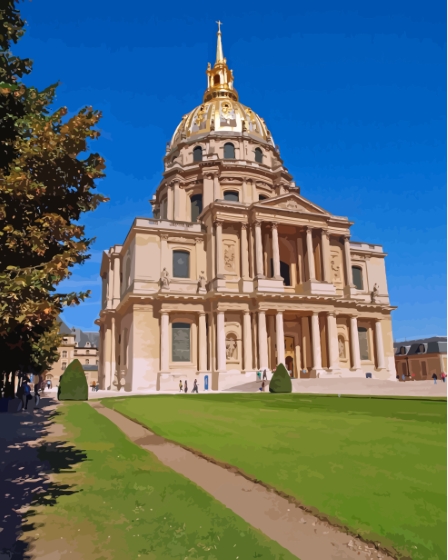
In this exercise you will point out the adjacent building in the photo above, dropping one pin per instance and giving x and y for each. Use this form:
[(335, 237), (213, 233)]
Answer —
[(419, 359), (237, 271), (76, 344)]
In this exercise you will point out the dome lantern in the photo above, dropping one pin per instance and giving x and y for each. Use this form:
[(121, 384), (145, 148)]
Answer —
[(220, 77)]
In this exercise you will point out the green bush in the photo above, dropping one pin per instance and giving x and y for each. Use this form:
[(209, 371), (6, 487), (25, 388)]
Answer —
[(73, 383), (280, 382)]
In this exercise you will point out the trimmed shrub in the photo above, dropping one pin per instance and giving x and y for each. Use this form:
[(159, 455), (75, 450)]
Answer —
[(73, 383), (280, 382)]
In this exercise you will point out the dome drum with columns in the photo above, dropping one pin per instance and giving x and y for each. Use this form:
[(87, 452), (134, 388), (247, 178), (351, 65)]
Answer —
[(237, 271)]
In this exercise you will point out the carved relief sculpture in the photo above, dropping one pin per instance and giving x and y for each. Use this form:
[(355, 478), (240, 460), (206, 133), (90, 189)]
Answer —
[(229, 256), (165, 279), (341, 346), (335, 269)]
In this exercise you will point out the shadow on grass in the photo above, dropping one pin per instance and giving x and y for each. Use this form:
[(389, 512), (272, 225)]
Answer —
[(26, 466)]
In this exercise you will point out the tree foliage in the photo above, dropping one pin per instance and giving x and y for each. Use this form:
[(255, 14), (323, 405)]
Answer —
[(73, 383), (47, 182), (280, 382)]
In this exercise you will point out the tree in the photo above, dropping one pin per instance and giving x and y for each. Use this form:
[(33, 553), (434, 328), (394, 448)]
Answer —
[(46, 185), (73, 383), (280, 382)]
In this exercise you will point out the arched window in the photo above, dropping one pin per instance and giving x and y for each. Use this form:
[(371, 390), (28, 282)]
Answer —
[(87, 362), (258, 155), (421, 349), (196, 206), (181, 342), (232, 196), (197, 154), (229, 151), (216, 79), (181, 264), (64, 353), (363, 343), (262, 197), (357, 277)]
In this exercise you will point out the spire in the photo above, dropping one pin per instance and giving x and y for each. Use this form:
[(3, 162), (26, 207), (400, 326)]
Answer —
[(219, 55)]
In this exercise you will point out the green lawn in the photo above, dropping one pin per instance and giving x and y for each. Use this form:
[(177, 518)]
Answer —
[(113, 500), (376, 465)]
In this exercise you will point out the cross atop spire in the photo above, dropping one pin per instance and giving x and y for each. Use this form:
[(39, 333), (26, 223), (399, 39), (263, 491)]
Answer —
[(219, 54), (219, 25), (220, 77)]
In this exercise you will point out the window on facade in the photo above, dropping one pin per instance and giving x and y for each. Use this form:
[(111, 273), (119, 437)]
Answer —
[(232, 196), (64, 353), (87, 351), (87, 362), (181, 264), (258, 155), (97, 362), (421, 349), (197, 154), (357, 277), (64, 365), (262, 197), (229, 151), (216, 79), (284, 273), (181, 342), (196, 207), (402, 350), (363, 343)]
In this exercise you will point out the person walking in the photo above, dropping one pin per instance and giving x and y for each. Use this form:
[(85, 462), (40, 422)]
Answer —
[(185, 387), (26, 395), (434, 376), (48, 384), (443, 376), (403, 377), (195, 387), (262, 387), (180, 386), (36, 395), (265, 375)]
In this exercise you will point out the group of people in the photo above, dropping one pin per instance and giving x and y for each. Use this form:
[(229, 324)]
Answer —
[(95, 386), (433, 377), (24, 393), (183, 388)]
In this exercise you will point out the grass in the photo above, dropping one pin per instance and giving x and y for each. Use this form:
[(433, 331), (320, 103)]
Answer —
[(376, 465), (118, 501)]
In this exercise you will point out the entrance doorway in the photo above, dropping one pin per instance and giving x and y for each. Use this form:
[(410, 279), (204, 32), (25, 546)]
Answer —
[(289, 355)]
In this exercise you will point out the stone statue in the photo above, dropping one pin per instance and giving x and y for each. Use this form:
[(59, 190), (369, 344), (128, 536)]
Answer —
[(202, 281), (165, 279), (341, 347), (230, 348), (229, 257), (374, 293), (335, 269)]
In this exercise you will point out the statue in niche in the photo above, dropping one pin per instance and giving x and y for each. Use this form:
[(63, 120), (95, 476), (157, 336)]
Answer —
[(165, 279), (374, 293), (202, 282), (335, 270), (229, 257), (341, 346), (231, 349)]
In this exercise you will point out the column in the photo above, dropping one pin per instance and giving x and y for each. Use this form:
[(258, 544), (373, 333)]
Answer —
[(202, 342), (258, 250), (270, 321), (315, 339), (325, 241), (218, 252), (247, 341), (164, 341), (216, 187), (262, 341), (280, 338), (333, 350), (176, 198), (310, 254), (105, 361), (300, 260), (170, 203), (354, 343), (112, 355), (110, 284), (305, 335), (379, 345), (275, 252), (244, 253), (221, 341), (116, 296), (348, 261)]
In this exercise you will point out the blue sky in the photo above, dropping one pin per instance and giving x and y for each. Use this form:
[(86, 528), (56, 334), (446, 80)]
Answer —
[(353, 92)]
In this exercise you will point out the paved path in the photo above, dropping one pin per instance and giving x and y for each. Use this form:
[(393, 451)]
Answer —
[(303, 534)]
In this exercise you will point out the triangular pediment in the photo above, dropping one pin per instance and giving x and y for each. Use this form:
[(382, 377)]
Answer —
[(293, 201)]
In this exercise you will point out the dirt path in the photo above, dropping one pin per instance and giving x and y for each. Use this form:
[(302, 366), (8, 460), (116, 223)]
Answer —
[(303, 534)]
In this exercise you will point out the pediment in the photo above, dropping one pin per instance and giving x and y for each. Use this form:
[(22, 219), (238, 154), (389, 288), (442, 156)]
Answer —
[(292, 201)]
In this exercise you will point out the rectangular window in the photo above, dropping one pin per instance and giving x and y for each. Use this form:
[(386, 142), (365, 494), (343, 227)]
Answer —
[(181, 342), (64, 365), (181, 264), (64, 353), (357, 277), (363, 343)]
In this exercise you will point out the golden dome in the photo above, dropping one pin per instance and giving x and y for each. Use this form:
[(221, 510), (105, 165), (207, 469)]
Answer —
[(221, 111)]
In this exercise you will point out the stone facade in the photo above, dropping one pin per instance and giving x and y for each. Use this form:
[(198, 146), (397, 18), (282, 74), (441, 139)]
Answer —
[(237, 271), (418, 360)]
